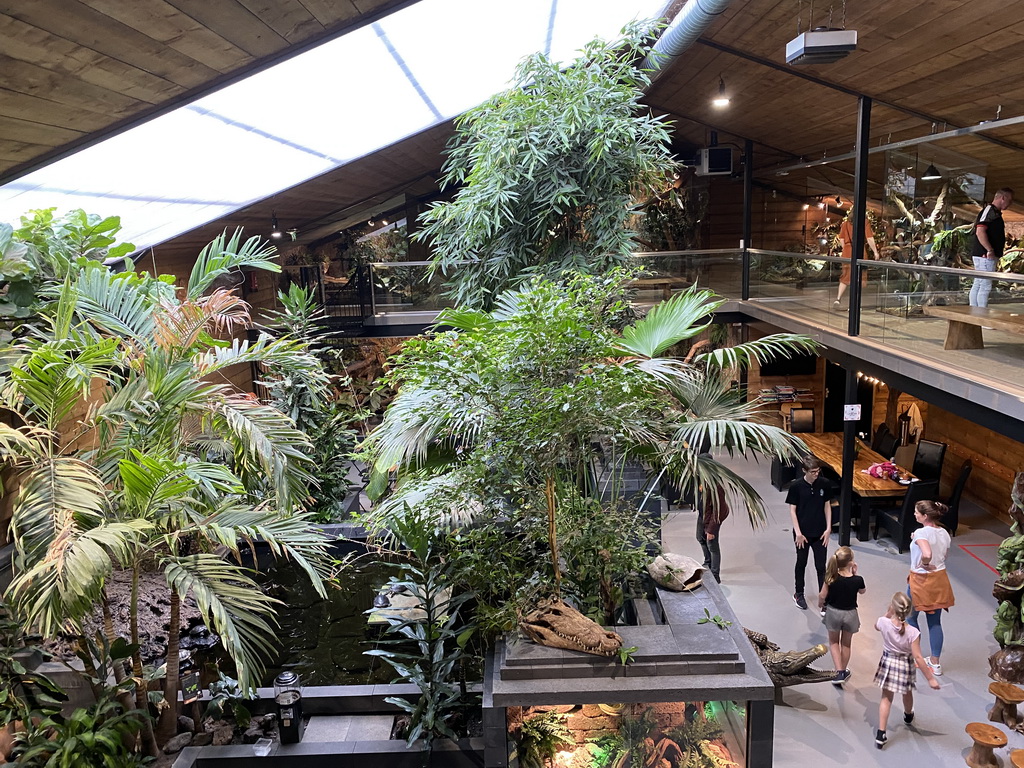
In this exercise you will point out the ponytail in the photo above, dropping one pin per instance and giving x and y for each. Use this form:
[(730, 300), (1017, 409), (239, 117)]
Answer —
[(901, 608), (842, 558)]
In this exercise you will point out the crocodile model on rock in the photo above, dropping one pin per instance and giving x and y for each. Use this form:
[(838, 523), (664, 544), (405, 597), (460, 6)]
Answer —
[(789, 667)]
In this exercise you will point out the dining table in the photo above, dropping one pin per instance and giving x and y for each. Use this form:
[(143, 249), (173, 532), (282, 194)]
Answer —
[(869, 490)]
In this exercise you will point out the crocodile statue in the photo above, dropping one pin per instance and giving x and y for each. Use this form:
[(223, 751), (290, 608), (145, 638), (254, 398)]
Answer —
[(558, 625), (789, 667)]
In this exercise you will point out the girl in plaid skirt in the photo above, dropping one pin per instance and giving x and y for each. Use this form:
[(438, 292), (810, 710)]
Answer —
[(901, 651)]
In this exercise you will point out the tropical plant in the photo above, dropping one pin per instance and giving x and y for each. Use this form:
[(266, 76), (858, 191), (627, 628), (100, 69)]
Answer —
[(548, 171), (166, 466), (540, 736), (515, 398), (306, 393), (437, 636), (25, 694), (102, 734), (226, 694)]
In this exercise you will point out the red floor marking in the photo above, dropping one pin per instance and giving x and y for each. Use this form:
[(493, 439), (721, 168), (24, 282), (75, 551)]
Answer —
[(965, 548)]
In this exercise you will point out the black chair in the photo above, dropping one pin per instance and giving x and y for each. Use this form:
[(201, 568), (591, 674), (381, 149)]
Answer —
[(900, 522), (880, 435), (887, 445), (952, 517), (928, 460), (801, 420)]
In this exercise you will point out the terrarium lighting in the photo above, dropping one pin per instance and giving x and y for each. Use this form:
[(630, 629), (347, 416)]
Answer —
[(931, 173), (275, 231), (722, 99)]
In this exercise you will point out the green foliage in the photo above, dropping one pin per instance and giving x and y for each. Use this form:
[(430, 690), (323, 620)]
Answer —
[(227, 694), (548, 172), (626, 654), (102, 734), (540, 736), (226, 254), (24, 694), (694, 731), (307, 394), (717, 620), (1009, 618), (437, 637)]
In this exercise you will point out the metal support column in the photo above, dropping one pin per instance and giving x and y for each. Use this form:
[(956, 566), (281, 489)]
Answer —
[(748, 207), (846, 481), (860, 201)]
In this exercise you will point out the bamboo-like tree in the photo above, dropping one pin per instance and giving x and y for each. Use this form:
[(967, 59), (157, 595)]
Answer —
[(548, 171), (510, 402), (168, 465)]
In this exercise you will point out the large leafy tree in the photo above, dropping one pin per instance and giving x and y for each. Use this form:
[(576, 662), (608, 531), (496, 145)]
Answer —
[(548, 171), (500, 414), (169, 462)]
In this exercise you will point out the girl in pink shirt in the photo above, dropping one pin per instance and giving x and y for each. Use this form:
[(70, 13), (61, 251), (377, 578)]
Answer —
[(901, 651)]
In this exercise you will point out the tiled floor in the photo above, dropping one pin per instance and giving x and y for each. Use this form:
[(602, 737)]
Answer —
[(819, 725)]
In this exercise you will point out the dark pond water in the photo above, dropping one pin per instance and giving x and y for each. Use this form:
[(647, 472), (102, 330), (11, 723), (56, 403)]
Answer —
[(324, 640)]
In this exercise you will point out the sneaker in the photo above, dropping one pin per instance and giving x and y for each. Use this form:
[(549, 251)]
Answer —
[(836, 304), (936, 667), (798, 598), (880, 739), (840, 678), (908, 717)]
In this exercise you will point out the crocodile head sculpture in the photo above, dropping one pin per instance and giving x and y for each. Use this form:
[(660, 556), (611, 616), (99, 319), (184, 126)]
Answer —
[(789, 667), (558, 625)]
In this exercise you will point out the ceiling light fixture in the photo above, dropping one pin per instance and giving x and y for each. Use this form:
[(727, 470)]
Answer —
[(275, 231), (806, 206), (293, 233), (722, 99), (839, 201), (931, 173)]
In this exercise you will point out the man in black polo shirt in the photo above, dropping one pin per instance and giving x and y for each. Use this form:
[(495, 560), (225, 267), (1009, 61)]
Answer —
[(989, 241), (810, 500)]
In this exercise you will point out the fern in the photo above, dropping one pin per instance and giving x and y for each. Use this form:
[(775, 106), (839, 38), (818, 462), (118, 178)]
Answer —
[(540, 737)]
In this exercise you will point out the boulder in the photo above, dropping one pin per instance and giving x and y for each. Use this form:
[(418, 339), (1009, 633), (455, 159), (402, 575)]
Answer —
[(177, 743), (676, 572)]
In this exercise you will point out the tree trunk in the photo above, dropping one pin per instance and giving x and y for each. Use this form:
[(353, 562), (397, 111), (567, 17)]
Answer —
[(892, 409), (125, 698), (167, 725), (549, 494)]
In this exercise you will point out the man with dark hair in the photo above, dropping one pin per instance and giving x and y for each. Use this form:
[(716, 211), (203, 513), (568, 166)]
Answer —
[(811, 499), (989, 241)]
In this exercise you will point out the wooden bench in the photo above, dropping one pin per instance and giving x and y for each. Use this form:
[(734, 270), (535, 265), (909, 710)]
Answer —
[(666, 284), (965, 324)]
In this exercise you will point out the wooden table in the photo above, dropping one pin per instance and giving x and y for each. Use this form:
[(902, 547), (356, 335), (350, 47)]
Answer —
[(965, 324), (828, 446), (666, 283)]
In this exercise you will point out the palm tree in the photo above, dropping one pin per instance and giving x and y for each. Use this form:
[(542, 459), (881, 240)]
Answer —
[(511, 400), (169, 463)]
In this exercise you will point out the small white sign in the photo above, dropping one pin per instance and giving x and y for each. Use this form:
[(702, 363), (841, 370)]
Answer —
[(851, 412)]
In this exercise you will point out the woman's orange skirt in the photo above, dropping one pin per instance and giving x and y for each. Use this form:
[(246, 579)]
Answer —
[(930, 591)]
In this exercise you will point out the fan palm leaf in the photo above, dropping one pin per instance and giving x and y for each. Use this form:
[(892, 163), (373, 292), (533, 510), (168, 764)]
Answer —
[(759, 350), (683, 316)]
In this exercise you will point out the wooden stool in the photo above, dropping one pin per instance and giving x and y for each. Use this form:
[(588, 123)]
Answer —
[(986, 737), (1008, 696), (1017, 758)]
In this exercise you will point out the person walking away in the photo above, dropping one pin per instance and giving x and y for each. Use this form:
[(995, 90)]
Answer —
[(711, 513), (811, 499), (989, 241), (928, 582), (846, 238), (901, 651), (838, 599)]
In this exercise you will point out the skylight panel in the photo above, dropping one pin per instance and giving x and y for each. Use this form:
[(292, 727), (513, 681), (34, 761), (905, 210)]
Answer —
[(340, 101)]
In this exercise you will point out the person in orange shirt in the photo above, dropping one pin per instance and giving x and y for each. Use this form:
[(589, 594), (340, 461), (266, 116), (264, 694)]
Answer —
[(846, 237)]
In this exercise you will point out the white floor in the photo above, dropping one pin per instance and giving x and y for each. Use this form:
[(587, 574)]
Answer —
[(819, 725)]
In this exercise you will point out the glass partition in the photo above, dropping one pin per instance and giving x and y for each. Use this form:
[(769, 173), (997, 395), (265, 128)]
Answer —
[(407, 286), (802, 284), (719, 270)]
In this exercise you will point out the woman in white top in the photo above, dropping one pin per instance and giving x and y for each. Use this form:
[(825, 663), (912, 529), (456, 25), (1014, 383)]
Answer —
[(929, 586)]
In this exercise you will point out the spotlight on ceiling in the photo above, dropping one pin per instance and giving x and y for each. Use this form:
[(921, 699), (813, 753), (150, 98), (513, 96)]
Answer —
[(931, 173), (275, 231), (839, 201), (722, 99)]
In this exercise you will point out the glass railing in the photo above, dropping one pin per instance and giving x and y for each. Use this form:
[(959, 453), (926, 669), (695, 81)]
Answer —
[(801, 284), (719, 270), (925, 310), (405, 287)]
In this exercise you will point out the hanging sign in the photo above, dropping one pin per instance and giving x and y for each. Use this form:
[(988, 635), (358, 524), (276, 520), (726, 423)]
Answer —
[(851, 412)]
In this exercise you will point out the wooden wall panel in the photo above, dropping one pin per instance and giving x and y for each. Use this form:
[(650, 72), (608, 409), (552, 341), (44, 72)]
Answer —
[(996, 459)]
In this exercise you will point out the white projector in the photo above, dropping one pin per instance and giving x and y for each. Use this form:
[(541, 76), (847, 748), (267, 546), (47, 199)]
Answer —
[(822, 46)]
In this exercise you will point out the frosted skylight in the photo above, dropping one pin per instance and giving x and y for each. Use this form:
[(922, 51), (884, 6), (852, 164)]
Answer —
[(347, 98)]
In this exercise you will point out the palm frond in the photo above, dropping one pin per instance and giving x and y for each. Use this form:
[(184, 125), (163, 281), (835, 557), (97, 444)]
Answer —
[(683, 316), (234, 606), (761, 350), (287, 354), (223, 254), (117, 304), (51, 488)]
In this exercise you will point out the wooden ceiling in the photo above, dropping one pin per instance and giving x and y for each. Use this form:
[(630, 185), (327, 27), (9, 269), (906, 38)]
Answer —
[(74, 71)]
